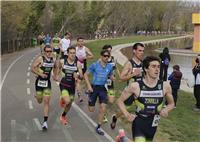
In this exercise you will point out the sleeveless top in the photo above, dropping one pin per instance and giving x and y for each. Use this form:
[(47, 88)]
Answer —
[(150, 100), (47, 66), (68, 72), (134, 65)]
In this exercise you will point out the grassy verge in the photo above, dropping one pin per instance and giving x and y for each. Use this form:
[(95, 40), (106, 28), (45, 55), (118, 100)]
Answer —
[(183, 124)]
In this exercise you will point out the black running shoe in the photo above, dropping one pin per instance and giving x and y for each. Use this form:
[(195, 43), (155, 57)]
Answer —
[(114, 121), (99, 131)]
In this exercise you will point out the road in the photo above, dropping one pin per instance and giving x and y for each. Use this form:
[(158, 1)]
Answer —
[(21, 115)]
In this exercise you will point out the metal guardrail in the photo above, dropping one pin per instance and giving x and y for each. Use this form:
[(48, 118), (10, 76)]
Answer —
[(10, 46)]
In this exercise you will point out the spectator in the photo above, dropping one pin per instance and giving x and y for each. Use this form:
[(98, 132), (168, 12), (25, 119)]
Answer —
[(175, 81), (165, 59), (196, 73)]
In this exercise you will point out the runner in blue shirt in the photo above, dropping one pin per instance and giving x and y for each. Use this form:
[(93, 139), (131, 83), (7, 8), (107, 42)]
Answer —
[(100, 71)]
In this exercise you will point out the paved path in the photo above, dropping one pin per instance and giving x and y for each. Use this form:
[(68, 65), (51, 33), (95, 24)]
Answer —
[(186, 83)]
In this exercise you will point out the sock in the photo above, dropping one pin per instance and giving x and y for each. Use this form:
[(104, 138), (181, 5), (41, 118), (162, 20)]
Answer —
[(45, 118), (98, 126), (64, 113)]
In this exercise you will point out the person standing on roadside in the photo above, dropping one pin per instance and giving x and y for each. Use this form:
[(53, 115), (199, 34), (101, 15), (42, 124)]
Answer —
[(131, 72), (42, 67), (100, 71), (196, 73), (149, 94), (165, 60), (175, 81)]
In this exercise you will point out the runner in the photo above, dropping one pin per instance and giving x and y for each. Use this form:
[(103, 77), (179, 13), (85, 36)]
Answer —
[(82, 53), (42, 67), (56, 48), (64, 44), (110, 84), (100, 70), (149, 94), (131, 72), (69, 68)]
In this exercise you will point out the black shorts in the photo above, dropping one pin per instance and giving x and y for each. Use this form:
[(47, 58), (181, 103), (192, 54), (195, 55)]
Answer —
[(100, 92), (70, 88), (142, 127), (40, 84), (129, 101), (56, 50)]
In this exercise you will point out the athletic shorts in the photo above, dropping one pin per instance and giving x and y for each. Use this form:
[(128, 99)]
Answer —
[(99, 91), (67, 90), (142, 127), (56, 50), (42, 86)]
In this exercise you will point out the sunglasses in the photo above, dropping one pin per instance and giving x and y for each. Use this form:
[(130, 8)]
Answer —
[(106, 56), (48, 51)]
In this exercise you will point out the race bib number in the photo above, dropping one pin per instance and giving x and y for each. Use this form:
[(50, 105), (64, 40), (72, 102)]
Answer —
[(109, 82), (156, 120), (42, 83)]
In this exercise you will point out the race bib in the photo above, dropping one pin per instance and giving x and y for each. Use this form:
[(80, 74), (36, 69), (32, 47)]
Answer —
[(156, 120), (42, 83), (109, 82)]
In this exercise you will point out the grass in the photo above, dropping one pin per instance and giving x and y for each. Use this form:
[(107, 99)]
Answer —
[(183, 124)]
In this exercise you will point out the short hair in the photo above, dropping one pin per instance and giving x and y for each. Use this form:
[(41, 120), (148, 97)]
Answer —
[(135, 46), (104, 51), (67, 33), (105, 47), (47, 46), (176, 67), (79, 38), (147, 60), (70, 48)]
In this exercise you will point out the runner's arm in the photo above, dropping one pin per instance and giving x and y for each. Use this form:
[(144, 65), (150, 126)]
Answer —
[(169, 98), (126, 73), (89, 54)]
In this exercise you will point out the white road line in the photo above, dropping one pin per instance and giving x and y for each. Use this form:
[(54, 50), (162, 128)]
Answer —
[(28, 74), (91, 128), (4, 77), (29, 68), (30, 104), (37, 122), (13, 132), (28, 81), (28, 91), (30, 64), (67, 134), (91, 121)]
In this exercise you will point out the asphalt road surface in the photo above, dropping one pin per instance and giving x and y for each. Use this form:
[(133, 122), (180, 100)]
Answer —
[(21, 115)]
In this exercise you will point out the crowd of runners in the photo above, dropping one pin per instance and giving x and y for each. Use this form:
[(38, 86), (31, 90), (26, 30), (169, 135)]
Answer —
[(67, 64)]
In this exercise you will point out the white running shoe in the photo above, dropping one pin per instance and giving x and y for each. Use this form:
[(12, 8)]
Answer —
[(44, 126)]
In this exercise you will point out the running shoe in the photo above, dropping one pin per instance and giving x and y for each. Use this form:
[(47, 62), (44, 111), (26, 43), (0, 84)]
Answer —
[(44, 126), (99, 131), (63, 120), (80, 98), (114, 121), (105, 120), (62, 103)]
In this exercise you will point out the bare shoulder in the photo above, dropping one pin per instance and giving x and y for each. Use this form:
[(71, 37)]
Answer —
[(167, 88), (134, 88)]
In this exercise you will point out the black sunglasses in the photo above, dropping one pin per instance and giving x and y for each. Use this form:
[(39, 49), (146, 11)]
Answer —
[(106, 56), (48, 51)]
